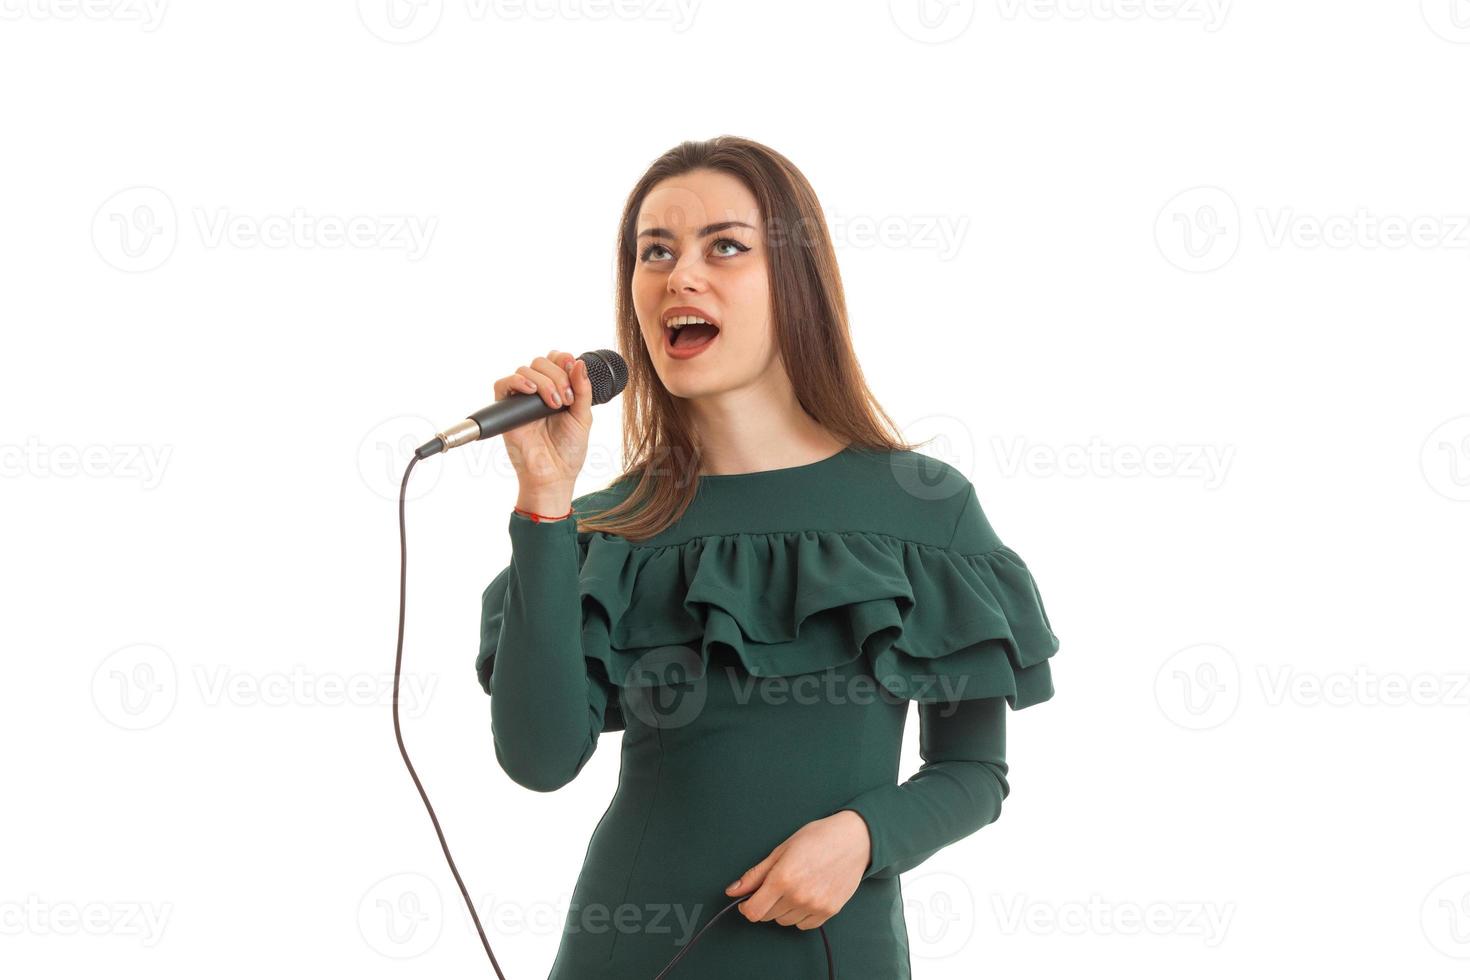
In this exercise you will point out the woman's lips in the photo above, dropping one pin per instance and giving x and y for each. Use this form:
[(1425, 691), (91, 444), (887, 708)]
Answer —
[(684, 353)]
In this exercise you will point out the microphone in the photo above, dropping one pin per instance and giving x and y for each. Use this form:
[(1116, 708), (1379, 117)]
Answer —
[(606, 370)]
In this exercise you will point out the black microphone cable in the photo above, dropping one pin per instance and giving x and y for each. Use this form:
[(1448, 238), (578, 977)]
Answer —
[(398, 734)]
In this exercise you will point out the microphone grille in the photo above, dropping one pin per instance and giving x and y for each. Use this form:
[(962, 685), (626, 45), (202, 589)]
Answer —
[(608, 373)]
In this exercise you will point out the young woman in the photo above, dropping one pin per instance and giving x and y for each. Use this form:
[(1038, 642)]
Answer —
[(754, 601)]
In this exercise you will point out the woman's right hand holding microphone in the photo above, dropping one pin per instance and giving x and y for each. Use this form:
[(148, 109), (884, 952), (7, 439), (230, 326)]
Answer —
[(548, 454)]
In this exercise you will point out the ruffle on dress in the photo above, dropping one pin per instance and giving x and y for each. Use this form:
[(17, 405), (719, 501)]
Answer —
[(933, 624)]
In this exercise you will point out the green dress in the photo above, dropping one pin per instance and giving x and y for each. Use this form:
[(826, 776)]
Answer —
[(759, 656)]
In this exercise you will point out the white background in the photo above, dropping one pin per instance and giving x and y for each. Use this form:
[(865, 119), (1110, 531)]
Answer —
[(1179, 285)]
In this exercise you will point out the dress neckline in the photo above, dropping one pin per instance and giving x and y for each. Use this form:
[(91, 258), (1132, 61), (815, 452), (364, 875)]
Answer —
[(780, 471)]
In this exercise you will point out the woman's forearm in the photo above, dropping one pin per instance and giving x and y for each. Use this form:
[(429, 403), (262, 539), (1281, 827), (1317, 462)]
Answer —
[(546, 710), (958, 790)]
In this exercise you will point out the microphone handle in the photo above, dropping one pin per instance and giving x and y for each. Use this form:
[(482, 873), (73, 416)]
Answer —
[(517, 408)]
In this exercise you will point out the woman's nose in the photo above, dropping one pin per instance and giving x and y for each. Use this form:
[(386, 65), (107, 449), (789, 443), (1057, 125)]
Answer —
[(686, 275)]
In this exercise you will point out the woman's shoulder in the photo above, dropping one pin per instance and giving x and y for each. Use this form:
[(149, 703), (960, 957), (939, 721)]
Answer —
[(896, 495), (924, 499)]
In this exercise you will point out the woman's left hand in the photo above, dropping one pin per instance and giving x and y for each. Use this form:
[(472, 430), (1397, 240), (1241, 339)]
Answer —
[(810, 875)]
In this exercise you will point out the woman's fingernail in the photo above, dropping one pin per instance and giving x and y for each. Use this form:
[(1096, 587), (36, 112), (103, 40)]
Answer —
[(570, 396), (732, 884)]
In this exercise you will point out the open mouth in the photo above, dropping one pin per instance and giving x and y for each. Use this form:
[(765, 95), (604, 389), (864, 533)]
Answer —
[(688, 331), (690, 335)]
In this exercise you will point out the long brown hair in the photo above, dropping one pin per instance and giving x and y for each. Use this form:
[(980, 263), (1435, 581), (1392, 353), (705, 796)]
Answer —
[(810, 315)]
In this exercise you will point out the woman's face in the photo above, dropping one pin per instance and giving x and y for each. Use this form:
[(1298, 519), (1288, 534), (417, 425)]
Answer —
[(700, 246)]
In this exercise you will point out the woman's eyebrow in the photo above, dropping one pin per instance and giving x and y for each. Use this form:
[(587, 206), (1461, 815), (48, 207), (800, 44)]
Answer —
[(706, 230)]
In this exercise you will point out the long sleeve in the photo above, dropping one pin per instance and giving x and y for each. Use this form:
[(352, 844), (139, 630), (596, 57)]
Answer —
[(957, 790), (547, 708)]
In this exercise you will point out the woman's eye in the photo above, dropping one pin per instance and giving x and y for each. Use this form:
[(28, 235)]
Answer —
[(730, 241), (648, 253)]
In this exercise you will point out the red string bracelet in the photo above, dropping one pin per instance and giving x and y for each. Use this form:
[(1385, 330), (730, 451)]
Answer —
[(538, 518)]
